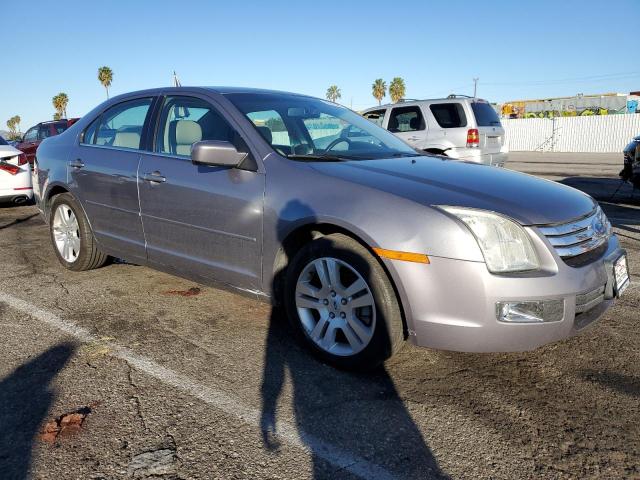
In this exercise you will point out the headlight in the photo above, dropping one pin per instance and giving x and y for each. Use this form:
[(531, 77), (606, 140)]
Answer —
[(505, 244)]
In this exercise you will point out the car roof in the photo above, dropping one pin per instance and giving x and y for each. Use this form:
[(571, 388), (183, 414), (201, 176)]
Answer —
[(413, 102), (216, 89)]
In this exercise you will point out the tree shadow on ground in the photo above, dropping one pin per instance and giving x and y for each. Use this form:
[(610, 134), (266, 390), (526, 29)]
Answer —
[(25, 398), (359, 414)]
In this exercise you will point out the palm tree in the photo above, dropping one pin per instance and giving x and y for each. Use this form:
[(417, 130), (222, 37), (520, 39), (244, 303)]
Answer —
[(60, 103), (56, 104), (105, 75), (379, 90), (397, 89), (333, 93), (64, 101), (11, 125), (17, 120)]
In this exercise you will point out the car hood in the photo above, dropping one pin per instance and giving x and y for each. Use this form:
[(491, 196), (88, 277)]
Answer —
[(8, 151), (438, 181)]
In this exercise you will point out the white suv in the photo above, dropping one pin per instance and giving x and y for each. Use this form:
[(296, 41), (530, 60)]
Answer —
[(460, 127)]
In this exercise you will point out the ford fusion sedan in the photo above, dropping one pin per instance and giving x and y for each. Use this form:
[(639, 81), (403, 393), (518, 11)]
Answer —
[(366, 243)]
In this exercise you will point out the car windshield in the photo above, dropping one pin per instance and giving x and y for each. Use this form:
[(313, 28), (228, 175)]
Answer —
[(3, 142), (486, 116), (305, 128)]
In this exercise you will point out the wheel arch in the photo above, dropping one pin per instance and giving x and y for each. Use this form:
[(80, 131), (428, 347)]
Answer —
[(55, 190), (303, 234)]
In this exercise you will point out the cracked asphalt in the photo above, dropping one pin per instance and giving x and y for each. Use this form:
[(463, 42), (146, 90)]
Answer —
[(211, 386)]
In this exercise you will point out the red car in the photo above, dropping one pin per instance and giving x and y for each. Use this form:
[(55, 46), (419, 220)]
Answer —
[(39, 132)]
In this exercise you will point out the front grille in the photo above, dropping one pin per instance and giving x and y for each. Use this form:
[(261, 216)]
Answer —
[(580, 241)]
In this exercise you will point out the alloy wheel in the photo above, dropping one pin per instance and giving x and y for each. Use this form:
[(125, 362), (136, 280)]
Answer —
[(335, 306), (66, 233)]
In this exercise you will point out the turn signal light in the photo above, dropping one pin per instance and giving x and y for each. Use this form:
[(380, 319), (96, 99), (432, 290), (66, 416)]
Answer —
[(405, 256), (473, 138)]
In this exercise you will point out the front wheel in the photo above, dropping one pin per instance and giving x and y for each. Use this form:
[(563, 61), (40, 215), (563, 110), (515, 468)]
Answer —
[(342, 305), (72, 237)]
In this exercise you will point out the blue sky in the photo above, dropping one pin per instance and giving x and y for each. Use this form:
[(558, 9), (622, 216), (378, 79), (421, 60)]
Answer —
[(517, 49)]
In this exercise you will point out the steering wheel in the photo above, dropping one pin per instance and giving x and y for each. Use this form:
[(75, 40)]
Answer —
[(336, 142)]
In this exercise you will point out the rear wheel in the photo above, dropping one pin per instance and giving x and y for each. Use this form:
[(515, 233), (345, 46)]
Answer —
[(342, 305), (71, 235)]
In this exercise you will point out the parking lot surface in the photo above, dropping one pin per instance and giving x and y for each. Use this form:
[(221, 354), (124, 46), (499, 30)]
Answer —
[(124, 372)]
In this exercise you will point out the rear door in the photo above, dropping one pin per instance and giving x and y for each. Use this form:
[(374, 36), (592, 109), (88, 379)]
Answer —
[(450, 127), (103, 174), (201, 219), (408, 124), (489, 127)]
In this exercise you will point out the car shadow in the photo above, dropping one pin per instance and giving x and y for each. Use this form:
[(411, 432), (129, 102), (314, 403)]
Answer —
[(17, 221), (627, 384), (358, 413), (25, 398)]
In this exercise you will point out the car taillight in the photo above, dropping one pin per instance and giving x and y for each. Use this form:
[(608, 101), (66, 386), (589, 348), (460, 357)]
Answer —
[(22, 159), (7, 167), (473, 138)]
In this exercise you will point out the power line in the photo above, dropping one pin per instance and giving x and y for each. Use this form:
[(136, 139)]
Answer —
[(590, 78)]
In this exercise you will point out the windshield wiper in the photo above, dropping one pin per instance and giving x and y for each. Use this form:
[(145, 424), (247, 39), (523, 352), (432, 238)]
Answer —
[(325, 157), (407, 155)]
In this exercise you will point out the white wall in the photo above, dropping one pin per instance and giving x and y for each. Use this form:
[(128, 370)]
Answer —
[(598, 134)]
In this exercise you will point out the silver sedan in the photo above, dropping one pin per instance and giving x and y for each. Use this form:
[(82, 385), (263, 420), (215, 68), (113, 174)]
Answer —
[(299, 201)]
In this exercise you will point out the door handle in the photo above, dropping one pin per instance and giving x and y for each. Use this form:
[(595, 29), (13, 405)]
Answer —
[(154, 177), (76, 163)]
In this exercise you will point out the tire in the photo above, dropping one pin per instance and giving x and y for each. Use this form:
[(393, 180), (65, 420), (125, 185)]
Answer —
[(366, 328), (83, 253)]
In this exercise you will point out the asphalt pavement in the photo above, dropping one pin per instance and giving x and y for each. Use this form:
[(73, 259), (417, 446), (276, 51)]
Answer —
[(124, 372)]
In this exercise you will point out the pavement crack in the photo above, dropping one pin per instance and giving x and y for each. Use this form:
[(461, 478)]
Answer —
[(136, 398)]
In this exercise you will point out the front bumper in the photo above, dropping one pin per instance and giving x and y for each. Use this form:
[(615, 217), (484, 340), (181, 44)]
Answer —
[(451, 304)]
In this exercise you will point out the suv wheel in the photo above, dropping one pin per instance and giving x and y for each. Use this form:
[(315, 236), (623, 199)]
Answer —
[(342, 305), (72, 237)]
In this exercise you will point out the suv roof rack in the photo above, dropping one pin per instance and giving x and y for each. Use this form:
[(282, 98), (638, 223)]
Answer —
[(402, 100), (458, 95)]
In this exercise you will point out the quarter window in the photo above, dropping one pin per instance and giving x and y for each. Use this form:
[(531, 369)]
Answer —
[(376, 116), (406, 119), (188, 120), (449, 115), (120, 126)]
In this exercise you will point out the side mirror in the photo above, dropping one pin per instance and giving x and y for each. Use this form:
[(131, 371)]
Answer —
[(216, 153)]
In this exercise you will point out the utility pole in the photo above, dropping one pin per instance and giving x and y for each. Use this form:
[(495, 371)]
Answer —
[(475, 86)]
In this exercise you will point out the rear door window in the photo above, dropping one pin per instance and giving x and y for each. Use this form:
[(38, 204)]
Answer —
[(44, 131), (406, 119), (120, 126), (485, 115), (376, 116), (449, 115)]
